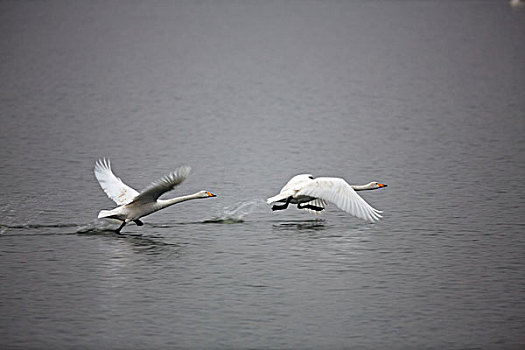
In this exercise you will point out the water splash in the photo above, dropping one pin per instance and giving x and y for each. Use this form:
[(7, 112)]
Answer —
[(97, 226), (235, 214)]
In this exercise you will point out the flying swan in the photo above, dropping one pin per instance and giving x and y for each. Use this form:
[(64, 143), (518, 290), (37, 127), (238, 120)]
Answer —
[(312, 194), (133, 205)]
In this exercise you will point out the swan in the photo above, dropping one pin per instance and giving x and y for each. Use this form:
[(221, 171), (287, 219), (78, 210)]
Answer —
[(312, 194), (133, 205)]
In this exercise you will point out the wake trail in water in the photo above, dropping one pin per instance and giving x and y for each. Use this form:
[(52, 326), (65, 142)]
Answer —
[(228, 215), (30, 226), (235, 214), (6, 229), (96, 226)]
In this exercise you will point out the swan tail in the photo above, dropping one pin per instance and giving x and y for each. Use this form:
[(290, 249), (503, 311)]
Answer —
[(278, 198), (110, 214)]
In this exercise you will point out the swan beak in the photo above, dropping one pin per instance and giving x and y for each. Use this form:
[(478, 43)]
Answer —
[(211, 194), (381, 185)]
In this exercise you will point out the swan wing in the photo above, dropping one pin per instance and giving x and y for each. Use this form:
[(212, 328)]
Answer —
[(297, 182), (339, 192), (165, 184), (116, 190)]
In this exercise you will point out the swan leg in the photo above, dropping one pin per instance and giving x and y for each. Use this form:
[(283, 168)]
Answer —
[(284, 206), (138, 222), (120, 227), (308, 206)]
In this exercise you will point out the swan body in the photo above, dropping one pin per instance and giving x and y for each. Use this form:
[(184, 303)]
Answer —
[(133, 205), (312, 194)]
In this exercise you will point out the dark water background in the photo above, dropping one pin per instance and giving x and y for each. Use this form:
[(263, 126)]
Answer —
[(426, 96)]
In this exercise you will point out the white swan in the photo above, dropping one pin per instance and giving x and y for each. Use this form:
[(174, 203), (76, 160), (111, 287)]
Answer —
[(133, 205), (312, 194)]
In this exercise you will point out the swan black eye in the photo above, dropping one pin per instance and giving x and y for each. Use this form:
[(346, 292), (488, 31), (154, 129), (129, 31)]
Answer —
[(311, 177)]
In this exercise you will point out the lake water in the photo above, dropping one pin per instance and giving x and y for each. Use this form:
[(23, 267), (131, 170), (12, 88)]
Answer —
[(425, 96)]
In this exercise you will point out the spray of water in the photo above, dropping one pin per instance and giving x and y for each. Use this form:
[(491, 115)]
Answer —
[(236, 214), (97, 226)]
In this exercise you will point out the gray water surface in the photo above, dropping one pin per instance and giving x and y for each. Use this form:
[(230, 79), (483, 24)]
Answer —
[(425, 96)]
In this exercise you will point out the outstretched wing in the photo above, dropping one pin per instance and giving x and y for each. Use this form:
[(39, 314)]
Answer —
[(116, 190), (339, 192), (165, 184)]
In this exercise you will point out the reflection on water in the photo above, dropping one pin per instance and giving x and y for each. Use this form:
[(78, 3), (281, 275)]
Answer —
[(220, 220), (141, 243), (306, 225)]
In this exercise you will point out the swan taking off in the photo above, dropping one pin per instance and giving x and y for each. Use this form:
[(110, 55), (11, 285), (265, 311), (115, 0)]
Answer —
[(133, 205), (312, 194)]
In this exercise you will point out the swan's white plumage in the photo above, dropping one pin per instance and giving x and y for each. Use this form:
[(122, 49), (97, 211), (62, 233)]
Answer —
[(305, 189), (133, 205), (291, 187), (339, 192), (116, 190)]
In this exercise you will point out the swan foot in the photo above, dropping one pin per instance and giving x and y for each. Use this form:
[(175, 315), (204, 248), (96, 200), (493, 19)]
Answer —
[(138, 222), (308, 206), (282, 207), (120, 227)]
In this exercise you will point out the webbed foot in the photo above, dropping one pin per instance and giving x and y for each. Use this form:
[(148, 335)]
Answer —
[(308, 206), (282, 207), (120, 227)]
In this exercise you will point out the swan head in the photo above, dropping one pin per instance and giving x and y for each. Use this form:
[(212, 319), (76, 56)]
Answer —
[(375, 185), (205, 194)]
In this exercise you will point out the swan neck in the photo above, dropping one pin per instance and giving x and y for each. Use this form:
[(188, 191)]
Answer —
[(361, 187), (167, 202)]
